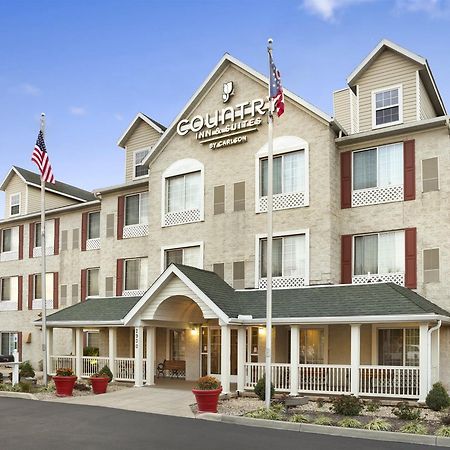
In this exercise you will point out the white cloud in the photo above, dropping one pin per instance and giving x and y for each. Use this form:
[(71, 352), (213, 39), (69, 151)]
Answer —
[(434, 8), (27, 89), (118, 117), (327, 9), (77, 111)]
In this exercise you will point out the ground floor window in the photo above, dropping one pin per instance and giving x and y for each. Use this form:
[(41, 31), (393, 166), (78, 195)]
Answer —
[(312, 344), (9, 343), (252, 344), (177, 345), (398, 347), (215, 350)]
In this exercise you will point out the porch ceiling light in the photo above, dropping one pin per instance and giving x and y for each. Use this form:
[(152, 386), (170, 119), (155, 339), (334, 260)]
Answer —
[(194, 330), (261, 330)]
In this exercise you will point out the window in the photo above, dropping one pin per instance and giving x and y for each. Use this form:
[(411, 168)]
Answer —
[(387, 107), (312, 346), (136, 274), (14, 204), (430, 175), (288, 173), (189, 256), (93, 231), (10, 240), (92, 282), (136, 209), (9, 343), (37, 293), (140, 170), (239, 275), (398, 347), (183, 192), (219, 269), (253, 338), (177, 344), (219, 199), (378, 167), (49, 234), (239, 196), (9, 289), (288, 256), (92, 339), (431, 265), (379, 253)]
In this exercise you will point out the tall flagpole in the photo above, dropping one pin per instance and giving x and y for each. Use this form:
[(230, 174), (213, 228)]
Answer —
[(269, 242), (43, 270)]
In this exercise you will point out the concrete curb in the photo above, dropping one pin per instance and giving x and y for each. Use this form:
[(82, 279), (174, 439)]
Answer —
[(390, 436), (25, 395)]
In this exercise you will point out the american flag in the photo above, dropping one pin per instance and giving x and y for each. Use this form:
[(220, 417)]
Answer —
[(276, 90), (40, 157)]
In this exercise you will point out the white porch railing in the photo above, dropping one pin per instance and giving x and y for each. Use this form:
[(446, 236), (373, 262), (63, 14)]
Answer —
[(92, 364), (124, 369), (279, 375), (324, 378), (389, 381), (60, 362)]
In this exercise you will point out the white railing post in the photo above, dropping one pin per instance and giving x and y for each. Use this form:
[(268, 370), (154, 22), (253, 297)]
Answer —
[(241, 352), (225, 359), (150, 356), (112, 349), (79, 352), (49, 348), (423, 361), (15, 373), (355, 357), (138, 356), (295, 360)]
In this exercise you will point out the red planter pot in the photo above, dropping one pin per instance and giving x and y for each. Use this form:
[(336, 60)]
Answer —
[(64, 385), (99, 384), (207, 400)]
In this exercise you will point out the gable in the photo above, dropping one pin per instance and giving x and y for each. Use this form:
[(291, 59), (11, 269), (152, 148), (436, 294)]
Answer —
[(15, 185)]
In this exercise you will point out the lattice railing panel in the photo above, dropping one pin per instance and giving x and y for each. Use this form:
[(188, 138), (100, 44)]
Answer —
[(180, 217), (374, 196), (283, 201), (93, 244), (397, 278), (9, 256), (37, 304), (282, 282), (37, 251), (133, 293), (133, 231)]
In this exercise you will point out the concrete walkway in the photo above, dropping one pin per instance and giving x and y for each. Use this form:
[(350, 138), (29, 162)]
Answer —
[(165, 398)]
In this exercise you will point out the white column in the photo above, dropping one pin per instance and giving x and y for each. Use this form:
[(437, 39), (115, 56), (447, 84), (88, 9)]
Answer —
[(74, 341), (138, 356), (225, 358), (15, 373), (49, 349), (241, 358), (295, 359), (79, 352), (355, 357), (423, 361), (150, 356), (112, 349)]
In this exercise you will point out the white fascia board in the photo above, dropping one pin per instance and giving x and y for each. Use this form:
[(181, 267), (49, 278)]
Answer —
[(139, 116), (78, 323), (122, 186), (8, 177)]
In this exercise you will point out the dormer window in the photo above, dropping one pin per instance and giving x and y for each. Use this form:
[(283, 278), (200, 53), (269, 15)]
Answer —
[(139, 170), (387, 107), (14, 205)]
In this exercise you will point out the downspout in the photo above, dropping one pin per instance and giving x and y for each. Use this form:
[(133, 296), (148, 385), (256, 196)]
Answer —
[(430, 331)]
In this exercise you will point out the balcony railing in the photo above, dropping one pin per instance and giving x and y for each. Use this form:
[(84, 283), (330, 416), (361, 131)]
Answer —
[(377, 195), (282, 282), (397, 278)]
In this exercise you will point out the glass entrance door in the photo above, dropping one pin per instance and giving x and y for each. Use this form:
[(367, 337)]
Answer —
[(214, 351)]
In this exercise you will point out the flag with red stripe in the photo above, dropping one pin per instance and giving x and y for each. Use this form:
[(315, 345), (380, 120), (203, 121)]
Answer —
[(40, 157), (276, 89)]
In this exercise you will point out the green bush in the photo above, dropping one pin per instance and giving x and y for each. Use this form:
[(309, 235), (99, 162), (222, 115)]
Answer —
[(378, 425), (437, 398), (443, 431), (91, 351), (373, 405), (299, 418), (275, 412), (348, 422), (323, 420), (406, 412), (260, 389), (347, 405), (106, 371), (26, 370), (414, 428)]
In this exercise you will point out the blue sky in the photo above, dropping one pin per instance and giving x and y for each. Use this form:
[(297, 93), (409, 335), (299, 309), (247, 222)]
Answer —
[(92, 65)]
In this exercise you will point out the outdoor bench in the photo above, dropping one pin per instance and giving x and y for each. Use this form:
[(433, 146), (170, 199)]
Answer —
[(173, 367)]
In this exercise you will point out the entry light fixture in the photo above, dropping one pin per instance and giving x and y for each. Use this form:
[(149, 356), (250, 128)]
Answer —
[(194, 330), (261, 331)]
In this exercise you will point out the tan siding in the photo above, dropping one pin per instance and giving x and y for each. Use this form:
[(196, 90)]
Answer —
[(355, 108), (16, 185), (390, 69), (51, 200), (426, 107), (341, 106), (144, 136)]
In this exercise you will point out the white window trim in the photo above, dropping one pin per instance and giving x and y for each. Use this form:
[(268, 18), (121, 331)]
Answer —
[(182, 167), (258, 237), (11, 255), (20, 204), (282, 145), (87, 282), (181, 246), (400, 106), (125, 274), (438, 173), (135, 152), (139, 194), (11, 303), (423, 266)]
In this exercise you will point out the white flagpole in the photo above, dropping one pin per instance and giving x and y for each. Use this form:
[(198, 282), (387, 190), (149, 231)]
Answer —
[(43, 271), (269, 242)]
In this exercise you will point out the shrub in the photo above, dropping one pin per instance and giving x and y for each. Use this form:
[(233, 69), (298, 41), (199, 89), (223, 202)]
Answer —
[(24, 387), (299, 418), (437, 398), (81, 387), (347, 405), (275, 412), (446, 419), (64, 372), (260, 389), (26, 370), (348, 422), (323, 420), (105, 371), (443, 431), (406, 412), (208, 383), (378, 425), (91, 351), (414, 428), (373, 405)]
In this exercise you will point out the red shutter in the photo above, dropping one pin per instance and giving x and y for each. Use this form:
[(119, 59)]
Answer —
[(411, 258), (346, 258), (409, 170), (84, 222), (55, 290), (20, 293), (56, 243), (83, 284), (20, 241), (119, 277), (19, 344), (31, 240), (30, 291), (346, 180), (120, 216)]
